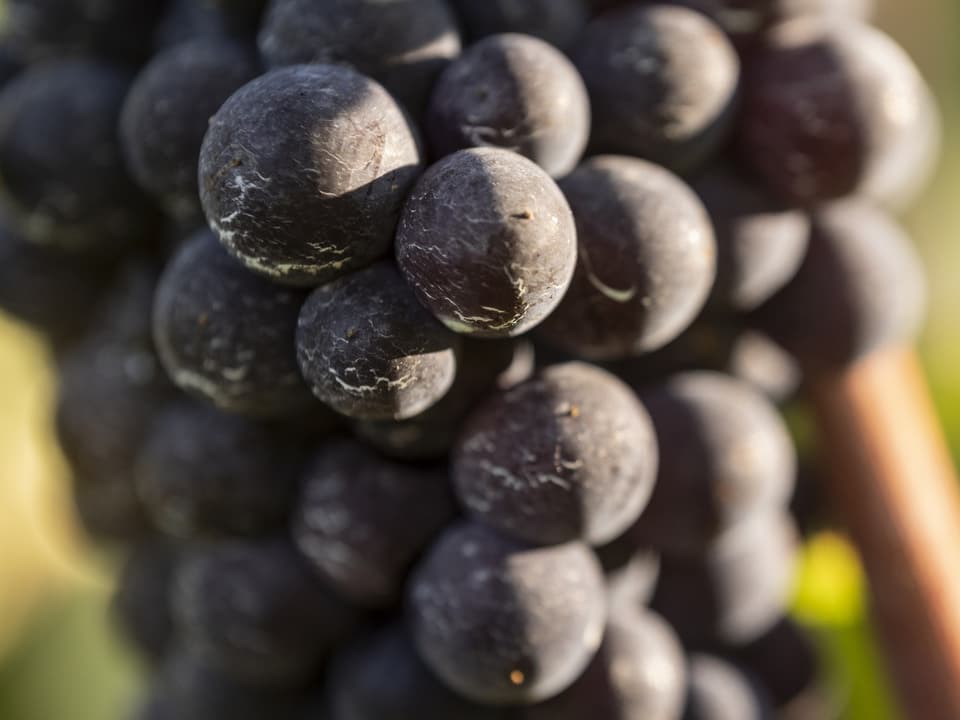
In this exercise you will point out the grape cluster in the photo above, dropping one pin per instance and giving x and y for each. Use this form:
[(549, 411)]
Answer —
[(427, 354)]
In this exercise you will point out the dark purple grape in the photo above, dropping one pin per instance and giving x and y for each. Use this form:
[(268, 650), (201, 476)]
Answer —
[(719, 690), (167, 112), (504, 623), (188, 20), (141, 604), (205, 473), (488, 242), (646, 265), (662, 81), (737, 590), (567, 455), (515, 92), (115, 29), (361, 520), (760, 243), (255, 611), (189, 688), (53, 291), (746, 20), (370, 351), (839, 307), (403, 44), (638, 674), (559, 22), (62, 175), (785, 662), (382, 678), (836, 109), (482, 366), (725, 455), (227, 334), (303, 172), (758, 361)]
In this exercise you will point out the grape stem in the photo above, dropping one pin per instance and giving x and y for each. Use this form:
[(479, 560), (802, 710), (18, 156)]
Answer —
[(895, 487)]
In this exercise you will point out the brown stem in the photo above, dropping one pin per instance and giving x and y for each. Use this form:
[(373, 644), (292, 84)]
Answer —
[(896, 488)]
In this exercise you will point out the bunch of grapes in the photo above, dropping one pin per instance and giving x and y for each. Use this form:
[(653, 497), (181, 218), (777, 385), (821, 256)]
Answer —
[(426, 355)]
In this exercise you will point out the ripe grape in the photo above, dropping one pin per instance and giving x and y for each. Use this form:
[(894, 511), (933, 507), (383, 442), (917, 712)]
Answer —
[(116, 29), (167, 112), (54, 291), (719, 690), (559, 22), (403, 44), (62, 175), (488, 242), (504, 623), (361, 520), (381, 678), (662, 82), (303, 171), (737, 590), (370, 351), (515, 92), (760, 243), (837, 109), (253, 610), (227, 334), (204, 473), (725, 455), (569, 454), (638, 674), (636, 287), (839, 307)]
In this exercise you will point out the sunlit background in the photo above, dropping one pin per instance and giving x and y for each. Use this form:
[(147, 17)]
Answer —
[(58, 658)]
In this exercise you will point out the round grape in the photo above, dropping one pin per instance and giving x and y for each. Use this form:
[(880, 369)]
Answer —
[(382, 678), (647, 260), (369, 350), (725, 455), (303, 172), (488, 242), (227, 334), (62, 174), (167, 112), (839, 307), (760, 243), (255, 611), (663, 83), (403, 44), (203, 472), (515, 92), (837, 109), (559, 22), (639, 674), (721, 691), (737, 590), (569, 454), (504, 623), (361, 520)]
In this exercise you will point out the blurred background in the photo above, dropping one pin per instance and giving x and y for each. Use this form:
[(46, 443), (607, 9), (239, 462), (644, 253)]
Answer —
[(58, 658)]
